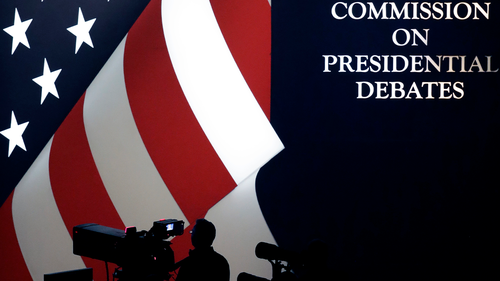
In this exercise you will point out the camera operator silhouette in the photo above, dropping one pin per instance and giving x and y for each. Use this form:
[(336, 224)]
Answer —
[(203, 263), (315, 259)]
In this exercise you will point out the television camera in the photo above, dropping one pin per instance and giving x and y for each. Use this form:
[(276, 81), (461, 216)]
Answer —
[(140, 255), (284, 263)]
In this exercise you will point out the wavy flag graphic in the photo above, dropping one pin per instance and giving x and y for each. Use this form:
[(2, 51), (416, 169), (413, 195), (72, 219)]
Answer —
[(174, 125)]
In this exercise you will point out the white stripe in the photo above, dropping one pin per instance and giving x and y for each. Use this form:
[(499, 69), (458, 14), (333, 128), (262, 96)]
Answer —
[(128, 173), (215, 88), (43, 237), (240, 227)]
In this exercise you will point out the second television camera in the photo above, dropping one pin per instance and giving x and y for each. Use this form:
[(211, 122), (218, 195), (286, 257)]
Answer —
[(283, 262)]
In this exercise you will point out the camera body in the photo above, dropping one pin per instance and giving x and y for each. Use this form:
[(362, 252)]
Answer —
[(139, 254), (284, 263)]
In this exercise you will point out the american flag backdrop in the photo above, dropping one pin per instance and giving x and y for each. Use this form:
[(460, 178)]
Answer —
[(125, 112)]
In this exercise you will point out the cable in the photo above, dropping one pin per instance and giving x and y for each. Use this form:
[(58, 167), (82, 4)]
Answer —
[(107, 270)]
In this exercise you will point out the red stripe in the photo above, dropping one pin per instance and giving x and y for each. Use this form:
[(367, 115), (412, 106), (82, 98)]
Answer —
[(12, 265), (246, 26), (78, 189), (184, 157)]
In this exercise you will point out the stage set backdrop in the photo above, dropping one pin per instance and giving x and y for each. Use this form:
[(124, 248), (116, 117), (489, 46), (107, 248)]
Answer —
[(373, 126)]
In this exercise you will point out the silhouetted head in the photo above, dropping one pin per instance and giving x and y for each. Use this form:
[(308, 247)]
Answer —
[(203, 234)]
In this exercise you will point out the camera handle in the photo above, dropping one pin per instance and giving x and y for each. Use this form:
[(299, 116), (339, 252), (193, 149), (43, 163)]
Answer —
[(277, 268)]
